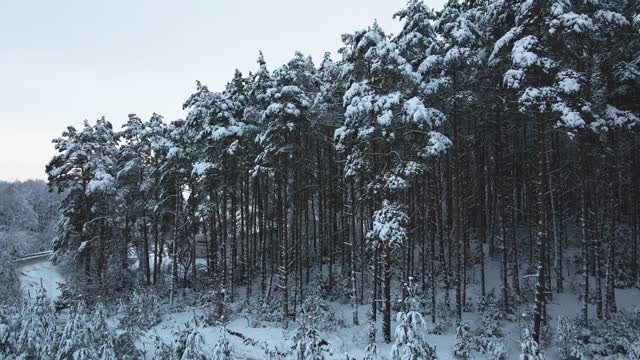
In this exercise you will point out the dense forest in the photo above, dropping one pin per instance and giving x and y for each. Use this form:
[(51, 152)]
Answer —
[(393, 175), (28, 215)]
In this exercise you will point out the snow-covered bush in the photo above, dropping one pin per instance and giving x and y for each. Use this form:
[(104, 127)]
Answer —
[(635, 317), (529, 347), (180, 336), (309, 347), (37, 325), (218, 309), (496, 351), (83, 354), (222, 350), (440, 327), (409, 342), (77, 340), (123, 343), (610, 338), (187, 344), (462, 347), (273, 353), (265, 312), (487, 301), (566, 336), (194, 347), (52, 341), (308, 343), (316, 308), (107, 352), (492, 307), (98, 322), (372, 353), (9, 326), (141, 312), (488, 333)]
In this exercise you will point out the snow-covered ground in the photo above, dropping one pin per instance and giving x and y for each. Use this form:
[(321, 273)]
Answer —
[(345, 341), (352, 339), (40, 273)]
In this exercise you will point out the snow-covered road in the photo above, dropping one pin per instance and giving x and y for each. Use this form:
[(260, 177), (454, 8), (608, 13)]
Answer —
[(37, 272)]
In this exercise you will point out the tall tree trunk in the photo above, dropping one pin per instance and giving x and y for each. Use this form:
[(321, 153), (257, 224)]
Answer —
[(584, 225), (611, 306), (635, 197), (354, 290), (156, 250), (386, 321), (145, 248), (284, 271), (505, 267), (541, 234), (234, 241), (174, 264)]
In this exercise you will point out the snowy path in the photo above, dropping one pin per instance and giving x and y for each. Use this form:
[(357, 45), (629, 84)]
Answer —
[(36, 272)]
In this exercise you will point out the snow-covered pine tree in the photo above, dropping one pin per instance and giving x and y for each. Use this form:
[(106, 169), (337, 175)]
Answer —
[(37, 325), (381, 116), (418, 43), (216, 120), (529, 348), (222, 350), (84, 171), (9, 326), (566, 334), (462, 347), (538, 81), (177, 173), (77, 340), (141, 311), (136, 188), (372, 352), (157, 189), (309, 347), (194, 347), (107, 352), (409, 334), (457, 63), (497, 351), (309, 344), (98, 323), (281, 142)]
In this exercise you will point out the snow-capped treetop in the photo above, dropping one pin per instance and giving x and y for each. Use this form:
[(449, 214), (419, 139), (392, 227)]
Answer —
[(289, 101), (417, 37)]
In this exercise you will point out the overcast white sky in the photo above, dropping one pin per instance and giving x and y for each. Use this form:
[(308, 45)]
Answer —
[(65, 61)]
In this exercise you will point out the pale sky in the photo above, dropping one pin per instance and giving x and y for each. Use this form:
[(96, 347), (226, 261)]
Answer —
[(65, 61)]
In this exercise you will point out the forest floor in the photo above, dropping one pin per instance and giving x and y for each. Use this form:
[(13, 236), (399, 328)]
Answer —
[(352, 340), (345, 338)]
